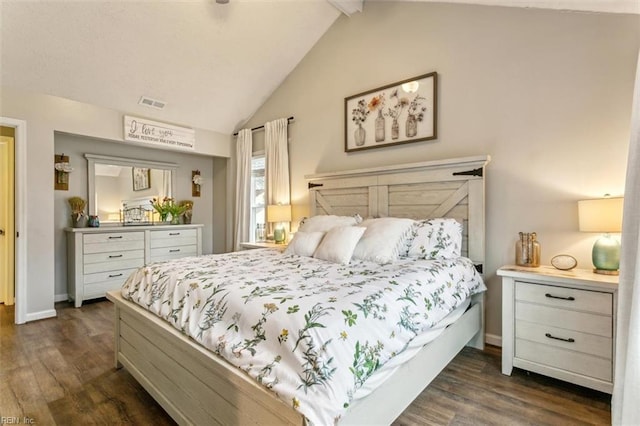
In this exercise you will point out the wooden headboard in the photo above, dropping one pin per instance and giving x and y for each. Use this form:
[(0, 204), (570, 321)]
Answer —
[(442, 188)]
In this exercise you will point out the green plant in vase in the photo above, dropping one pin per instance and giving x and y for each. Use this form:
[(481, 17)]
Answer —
[(167, 209)]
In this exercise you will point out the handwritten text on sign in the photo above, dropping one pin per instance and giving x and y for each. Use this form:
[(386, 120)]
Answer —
[(161, 134)]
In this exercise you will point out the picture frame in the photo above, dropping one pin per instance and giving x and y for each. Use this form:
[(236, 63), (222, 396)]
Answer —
[(398, 113), (141, 178)]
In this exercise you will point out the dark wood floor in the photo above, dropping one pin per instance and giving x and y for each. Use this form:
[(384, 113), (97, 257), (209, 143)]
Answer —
[(60, 371)]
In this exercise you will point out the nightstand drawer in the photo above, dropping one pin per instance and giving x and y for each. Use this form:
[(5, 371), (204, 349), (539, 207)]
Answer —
[(600, 325), (575, 362), (565, 298), (566, 339)]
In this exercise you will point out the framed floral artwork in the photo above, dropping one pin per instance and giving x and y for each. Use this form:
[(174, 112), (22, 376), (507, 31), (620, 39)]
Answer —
[(397, 113)]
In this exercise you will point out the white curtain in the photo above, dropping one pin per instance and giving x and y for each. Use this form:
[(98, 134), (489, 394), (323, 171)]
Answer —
[(243, 188), (625, 404), (277, 162)]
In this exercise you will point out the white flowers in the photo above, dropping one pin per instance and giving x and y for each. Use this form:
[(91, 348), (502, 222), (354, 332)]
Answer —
[(197, 179)]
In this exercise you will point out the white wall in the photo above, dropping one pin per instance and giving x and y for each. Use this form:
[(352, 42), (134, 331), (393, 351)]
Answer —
[(44, 115), (546, 93)]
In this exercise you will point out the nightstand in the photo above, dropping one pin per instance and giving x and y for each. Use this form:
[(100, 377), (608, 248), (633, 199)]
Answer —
[(262, 244), (559, 323)]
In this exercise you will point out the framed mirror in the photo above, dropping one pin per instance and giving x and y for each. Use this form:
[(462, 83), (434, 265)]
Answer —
[(115, 183)]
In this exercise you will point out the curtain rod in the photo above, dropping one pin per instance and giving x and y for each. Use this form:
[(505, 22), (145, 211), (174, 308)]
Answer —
[(262, 127)]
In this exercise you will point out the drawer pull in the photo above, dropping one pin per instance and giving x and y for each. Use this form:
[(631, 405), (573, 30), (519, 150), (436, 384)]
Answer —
[(560, 297), (570, 339), (115, 238), (113, 256), (174, 233), (174, 250), (115, 275)]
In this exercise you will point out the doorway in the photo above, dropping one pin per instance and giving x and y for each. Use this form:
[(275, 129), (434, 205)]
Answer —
[(17, 238), (7, 215)]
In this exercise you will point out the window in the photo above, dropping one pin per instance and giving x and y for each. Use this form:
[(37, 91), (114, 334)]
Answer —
[(258, 193)]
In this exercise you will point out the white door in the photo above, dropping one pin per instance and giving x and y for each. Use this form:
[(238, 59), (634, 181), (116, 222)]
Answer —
[(7, 220)]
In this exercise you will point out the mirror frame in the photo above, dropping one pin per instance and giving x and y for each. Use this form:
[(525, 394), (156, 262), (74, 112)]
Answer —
[(93, 159)]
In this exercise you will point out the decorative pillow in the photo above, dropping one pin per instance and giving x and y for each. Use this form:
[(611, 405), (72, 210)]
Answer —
[(382, 239), (323, 223), (338, 244), (436, 238), (304, 243)]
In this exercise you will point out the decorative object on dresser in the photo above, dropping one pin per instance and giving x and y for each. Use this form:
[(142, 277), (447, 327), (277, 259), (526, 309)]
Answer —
[(62, 169), (101, 259), (528, 250), (560, 324), (78, 216), (187, 215), (603, 215), (196, 181), (168, 210), (409, 105), (564, 262), (279, 214)]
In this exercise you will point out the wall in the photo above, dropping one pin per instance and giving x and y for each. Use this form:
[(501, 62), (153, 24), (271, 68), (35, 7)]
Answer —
[(76, 146), (44, 115), (546, 93)]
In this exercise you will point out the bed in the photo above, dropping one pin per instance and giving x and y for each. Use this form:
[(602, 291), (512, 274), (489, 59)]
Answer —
[(196, 386)]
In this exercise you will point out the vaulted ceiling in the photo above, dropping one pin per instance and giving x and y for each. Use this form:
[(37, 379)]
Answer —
[(212, 64)]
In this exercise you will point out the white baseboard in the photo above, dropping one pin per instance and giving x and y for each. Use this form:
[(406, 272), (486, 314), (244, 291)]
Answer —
[(61, 297), (34, 316), (492, 339)]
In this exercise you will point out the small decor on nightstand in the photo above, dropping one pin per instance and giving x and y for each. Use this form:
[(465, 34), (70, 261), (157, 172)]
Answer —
[(527, 250), (564, 262)]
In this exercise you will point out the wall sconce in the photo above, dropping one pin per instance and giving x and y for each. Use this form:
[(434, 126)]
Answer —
[(196, 181), (604, 216), (62, 168)]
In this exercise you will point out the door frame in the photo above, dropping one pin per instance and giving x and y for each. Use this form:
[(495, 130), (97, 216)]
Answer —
[(20, 215)]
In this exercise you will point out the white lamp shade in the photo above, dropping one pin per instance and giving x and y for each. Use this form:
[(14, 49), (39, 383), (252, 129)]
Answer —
[(600, 215), (279, 213)]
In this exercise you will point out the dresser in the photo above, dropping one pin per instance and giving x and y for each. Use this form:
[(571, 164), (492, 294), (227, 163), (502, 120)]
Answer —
[(101, 259), (559, 323)]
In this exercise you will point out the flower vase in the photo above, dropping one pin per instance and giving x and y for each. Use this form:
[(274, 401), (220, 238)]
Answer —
[(412, 126), (380, 127), (78, 220), (175, 219), (395, 129), (359, 135), (186, 217)]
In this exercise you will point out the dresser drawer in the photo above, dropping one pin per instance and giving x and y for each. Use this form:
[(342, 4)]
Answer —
[(113, 246), (115, 265), (166, 253), (575, 362), (110, 237), (600, 325), (92, 291), (113, 256), (175, 238), (566, 298), (119, 274), (566, 339)]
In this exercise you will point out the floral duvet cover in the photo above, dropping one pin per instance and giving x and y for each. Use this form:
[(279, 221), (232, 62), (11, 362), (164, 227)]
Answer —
[(310, 330)]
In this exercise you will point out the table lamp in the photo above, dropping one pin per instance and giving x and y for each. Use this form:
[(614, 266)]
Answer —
[(278, 214), (603, 215)]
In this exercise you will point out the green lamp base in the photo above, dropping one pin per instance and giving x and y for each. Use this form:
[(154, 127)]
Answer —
[(606, 255)]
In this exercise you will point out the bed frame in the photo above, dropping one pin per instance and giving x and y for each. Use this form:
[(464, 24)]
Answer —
[(202, 388)]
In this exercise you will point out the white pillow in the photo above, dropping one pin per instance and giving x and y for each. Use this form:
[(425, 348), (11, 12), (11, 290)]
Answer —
[(323, 223), (304, 243), (338, 244), (383, 239), (436, 239)]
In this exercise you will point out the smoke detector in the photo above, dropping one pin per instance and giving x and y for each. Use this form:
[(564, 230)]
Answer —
[(151, 103)]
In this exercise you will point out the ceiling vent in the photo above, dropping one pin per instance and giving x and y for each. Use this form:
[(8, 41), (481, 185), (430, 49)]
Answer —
[(152, 103)]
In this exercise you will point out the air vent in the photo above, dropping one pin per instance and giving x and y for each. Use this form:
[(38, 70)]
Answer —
[(152, 103)]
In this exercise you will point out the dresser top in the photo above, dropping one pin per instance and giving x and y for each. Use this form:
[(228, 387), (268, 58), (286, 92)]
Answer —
[(550, 274), (131, 228)]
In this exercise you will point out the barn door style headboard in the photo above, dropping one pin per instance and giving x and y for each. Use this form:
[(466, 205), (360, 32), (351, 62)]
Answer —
[(441, 188)]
